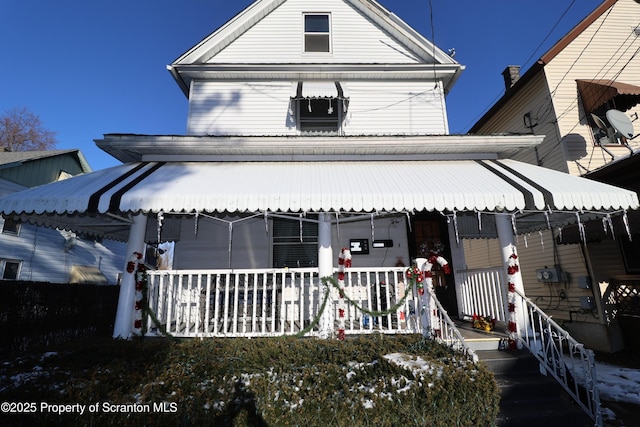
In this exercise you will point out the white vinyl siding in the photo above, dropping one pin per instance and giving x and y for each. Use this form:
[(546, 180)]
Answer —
[(46, 258), (241, 108), (395, 108), (279, 38), (264, 108)]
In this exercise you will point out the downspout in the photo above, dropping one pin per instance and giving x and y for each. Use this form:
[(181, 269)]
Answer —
[(123, 325)]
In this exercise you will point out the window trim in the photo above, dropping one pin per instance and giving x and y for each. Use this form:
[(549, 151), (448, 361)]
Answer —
[(316, 33), (3, 265), (18, 227), (309, 239)]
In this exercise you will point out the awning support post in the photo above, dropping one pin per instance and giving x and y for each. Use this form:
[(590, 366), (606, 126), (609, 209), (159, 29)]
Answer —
[(506, 237), (459, 261), (124, 314), (325, 269)]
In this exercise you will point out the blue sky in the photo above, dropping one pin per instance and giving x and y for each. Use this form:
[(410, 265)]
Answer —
[(93, 67)]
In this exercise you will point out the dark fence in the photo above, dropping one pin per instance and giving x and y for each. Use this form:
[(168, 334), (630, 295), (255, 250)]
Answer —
[(34, 314)]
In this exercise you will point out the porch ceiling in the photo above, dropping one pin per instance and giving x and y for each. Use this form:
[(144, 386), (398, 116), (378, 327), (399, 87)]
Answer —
[(100, 202)]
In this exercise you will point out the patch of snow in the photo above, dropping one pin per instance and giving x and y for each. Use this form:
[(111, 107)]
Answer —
[(618, 384)]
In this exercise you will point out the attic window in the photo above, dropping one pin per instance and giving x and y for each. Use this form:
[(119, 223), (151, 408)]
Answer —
[(317, 35)]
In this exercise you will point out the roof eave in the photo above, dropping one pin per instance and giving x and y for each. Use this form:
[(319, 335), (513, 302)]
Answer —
[(186, 74), (130, 147)]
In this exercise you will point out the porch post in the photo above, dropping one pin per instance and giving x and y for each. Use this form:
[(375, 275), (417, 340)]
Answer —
[(124, 314), (325, 269), (508, 247), (458, 261)]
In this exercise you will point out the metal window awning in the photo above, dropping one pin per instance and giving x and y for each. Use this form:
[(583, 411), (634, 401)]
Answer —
[(317, 89), (596, 93), (97, 202)]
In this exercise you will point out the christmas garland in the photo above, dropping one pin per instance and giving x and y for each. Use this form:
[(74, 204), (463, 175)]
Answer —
[(141, 308), (136, 267), (344, 261), (512, 269), (424, 275)]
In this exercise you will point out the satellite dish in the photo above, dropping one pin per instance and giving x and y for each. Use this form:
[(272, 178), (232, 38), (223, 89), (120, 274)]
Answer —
[(598, 121), (621, 123)]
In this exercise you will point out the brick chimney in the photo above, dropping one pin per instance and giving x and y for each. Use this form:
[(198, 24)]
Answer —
[(511, 75)]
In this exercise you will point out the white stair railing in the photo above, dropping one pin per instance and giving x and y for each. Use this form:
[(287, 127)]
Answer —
[(445, 331), (567, 360)]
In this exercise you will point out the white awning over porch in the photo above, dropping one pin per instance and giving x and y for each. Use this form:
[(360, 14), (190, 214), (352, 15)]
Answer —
[(95, 202)]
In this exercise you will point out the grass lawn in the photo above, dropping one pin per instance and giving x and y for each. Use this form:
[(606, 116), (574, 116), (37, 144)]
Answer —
[(364, 381)]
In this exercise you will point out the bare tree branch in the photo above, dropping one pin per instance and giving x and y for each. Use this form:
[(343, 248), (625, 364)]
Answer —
[(22, 130)]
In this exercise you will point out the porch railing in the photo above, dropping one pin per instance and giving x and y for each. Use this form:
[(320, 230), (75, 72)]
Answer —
[(572, 365), (275, 302), (480, 292), (271, 302)]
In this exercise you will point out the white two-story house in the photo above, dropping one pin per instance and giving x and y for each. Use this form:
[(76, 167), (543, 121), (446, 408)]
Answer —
[(314, 127)]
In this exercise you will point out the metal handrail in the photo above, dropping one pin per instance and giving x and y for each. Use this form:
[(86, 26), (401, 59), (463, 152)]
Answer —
[(567, 360), (446, 331)]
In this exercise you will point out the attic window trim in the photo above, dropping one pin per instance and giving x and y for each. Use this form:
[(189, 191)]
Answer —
[(312, 36)]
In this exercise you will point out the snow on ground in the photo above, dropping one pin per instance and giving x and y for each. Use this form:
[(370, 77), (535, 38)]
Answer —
[(618, 384)]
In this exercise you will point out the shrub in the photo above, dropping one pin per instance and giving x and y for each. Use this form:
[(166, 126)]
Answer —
[(363, 381)]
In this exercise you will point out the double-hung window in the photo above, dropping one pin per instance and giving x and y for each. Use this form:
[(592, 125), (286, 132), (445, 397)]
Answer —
[(317, 32), (295, 243)]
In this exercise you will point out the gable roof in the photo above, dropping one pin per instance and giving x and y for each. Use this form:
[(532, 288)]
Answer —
[(194, 62), (548, 56), (16, 158)]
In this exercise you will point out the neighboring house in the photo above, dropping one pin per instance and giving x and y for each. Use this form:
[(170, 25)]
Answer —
[(312, 128), (41, 254), (584, 96)]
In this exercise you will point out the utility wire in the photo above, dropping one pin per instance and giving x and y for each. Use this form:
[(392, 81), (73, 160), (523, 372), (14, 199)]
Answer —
[(475, 119), (549, 33)]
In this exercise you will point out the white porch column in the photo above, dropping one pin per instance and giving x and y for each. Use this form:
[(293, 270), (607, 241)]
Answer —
[(126, 300), (506, 238), (325, 269)]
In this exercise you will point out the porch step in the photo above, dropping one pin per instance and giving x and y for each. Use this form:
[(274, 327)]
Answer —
[(478, 340), (529, 398)]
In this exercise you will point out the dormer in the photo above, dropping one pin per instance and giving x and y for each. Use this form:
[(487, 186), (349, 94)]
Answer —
[(296, 67)]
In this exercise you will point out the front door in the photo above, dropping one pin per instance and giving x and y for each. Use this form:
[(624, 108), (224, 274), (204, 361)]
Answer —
[(429, 233)]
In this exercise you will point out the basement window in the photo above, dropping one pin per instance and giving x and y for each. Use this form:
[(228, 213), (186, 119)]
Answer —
[(317, 34)]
